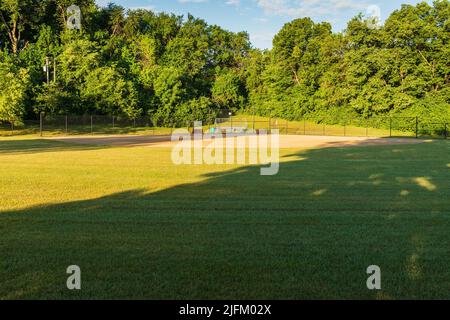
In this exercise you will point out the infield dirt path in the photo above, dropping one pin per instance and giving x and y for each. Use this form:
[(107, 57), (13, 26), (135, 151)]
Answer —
[(291, 141)]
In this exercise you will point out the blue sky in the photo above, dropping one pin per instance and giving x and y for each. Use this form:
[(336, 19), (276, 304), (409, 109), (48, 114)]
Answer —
[(262, 19)]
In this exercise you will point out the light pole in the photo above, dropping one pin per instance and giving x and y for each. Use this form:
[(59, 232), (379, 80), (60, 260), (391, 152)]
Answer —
[(54, 69), (47, 69)]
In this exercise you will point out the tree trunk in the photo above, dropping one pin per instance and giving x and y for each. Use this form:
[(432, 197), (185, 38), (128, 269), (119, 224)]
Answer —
[(295, 76), (13, 34), (63, 14)]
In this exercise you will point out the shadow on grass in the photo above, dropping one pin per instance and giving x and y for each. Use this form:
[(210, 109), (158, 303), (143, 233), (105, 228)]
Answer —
[(27, 146), (309, 232), (118, 141), (18, 132)]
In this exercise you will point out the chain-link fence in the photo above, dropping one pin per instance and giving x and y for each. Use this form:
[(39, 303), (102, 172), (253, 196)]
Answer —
[(48, 125), (370, 127), (19, 128), (53, 125), (94, 124)]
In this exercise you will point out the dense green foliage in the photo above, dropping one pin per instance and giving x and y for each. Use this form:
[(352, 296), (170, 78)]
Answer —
[(130, 63), (401, 68), (176, 69)]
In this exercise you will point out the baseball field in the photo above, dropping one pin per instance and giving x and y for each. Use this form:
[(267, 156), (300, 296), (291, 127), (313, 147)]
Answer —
[(139, 226)]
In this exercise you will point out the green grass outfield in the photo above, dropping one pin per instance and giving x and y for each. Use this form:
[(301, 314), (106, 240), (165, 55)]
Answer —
[(139, 227)]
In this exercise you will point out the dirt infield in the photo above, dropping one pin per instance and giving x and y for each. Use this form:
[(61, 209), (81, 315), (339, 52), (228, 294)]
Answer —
[(291, 141)]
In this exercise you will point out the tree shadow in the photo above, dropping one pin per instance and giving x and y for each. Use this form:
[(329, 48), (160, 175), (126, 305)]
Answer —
[(309, 232), (29, 146), (116, 141)]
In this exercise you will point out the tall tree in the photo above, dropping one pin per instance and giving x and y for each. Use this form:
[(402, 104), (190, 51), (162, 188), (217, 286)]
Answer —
[(20, 19), (13, 89)]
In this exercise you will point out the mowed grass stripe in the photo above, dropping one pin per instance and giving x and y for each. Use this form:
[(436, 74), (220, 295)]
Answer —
[(140, 227)]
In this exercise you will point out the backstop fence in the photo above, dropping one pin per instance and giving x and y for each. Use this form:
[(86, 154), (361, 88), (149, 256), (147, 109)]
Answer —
[(48, 125)]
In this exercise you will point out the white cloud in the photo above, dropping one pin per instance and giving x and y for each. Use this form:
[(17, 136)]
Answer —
[(313, 8), (192, 1), (102, 3), (262, 40), (261, 20), (150, 7), (233, 2)]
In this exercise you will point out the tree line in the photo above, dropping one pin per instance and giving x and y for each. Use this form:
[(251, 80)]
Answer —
[(176, 69)]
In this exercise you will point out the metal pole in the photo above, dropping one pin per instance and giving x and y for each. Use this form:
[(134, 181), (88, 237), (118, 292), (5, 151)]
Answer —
[(417, 127), (390, 127), (345, 128), (40, 123), (92, 125), (54, 69), (304, 126), (367, 127), (47, 69), (445, 131), (113, 122), (67, 124)]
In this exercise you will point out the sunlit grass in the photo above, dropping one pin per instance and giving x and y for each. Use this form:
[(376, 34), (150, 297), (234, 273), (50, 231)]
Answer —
[(140, 227)]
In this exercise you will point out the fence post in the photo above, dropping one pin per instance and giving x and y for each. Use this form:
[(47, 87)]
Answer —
[(270, 123), (390, 127), (113, 122), (92, 125), (253, 123), (417, 127), (67, 124), (40, 123), (445, 131), (367, 127), (304, 126), (287, 127), (345, 128)]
